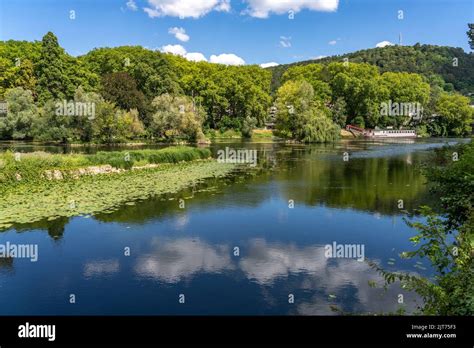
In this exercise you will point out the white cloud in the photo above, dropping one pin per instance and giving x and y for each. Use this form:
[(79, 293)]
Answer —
[(268, 65), (285, 42), (195, 57), (174, 49), (384, 43), (262, 8), (332, 42), (224, 6), (185, 8), (131, 5), (179, 33), (181, 51), (227, 59), (319, 57), (151, 12)]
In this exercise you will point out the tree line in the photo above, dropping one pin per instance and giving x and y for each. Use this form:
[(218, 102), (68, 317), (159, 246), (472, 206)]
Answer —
[(454, 66), (130, 93), (358, 93)]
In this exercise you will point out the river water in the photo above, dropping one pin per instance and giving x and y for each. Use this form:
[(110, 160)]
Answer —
[(252, 244)]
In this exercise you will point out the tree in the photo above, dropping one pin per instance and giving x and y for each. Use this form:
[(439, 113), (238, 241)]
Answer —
[(50, 71), (421, 59), (177, 117), (111, 124), (354, 91), (120, 88), (79, 75), (314, 75), (154, 75), (228, 94), (454, 114), (82, 125), (470, 35), (52, 125), (152, 70), (293, 99), (339, 112), (359, 85), (21, 114), (248, 127), (20, 74), (129, 125), (301, 117), (105, 126), (17, 63), (453, 182), (317, 127), (405, 88)]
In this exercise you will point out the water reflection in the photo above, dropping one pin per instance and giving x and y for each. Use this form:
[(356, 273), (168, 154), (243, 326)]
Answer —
[(319, 282), (265, 263), (173, 261), (374, 179), (101, 268)]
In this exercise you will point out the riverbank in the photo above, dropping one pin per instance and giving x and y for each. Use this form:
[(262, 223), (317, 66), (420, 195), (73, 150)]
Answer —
[(39, 166)]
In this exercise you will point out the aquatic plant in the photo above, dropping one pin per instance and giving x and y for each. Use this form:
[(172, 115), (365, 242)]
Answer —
[(31, 167), (29, 202)]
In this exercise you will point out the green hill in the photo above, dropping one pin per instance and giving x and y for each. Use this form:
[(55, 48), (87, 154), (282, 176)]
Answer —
[(427, 60)]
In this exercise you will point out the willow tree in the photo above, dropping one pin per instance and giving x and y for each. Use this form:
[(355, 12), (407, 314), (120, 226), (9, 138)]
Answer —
[(302, 117)]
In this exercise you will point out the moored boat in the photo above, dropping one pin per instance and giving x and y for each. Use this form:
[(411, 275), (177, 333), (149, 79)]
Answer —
[(382, 133)]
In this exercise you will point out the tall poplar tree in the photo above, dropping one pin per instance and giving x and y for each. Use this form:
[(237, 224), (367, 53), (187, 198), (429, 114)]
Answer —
[(50, 73), (470, 35)]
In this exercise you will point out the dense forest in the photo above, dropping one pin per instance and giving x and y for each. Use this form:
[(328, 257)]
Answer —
[(453, 65), (131, 93)]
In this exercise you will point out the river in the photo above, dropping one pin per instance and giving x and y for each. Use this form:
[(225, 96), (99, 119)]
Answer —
[(252, 244)]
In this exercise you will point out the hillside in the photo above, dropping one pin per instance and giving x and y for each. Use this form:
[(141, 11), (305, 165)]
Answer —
[(422, 59)]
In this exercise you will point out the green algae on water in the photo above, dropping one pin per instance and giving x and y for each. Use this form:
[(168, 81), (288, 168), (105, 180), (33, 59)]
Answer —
[(27, 202)]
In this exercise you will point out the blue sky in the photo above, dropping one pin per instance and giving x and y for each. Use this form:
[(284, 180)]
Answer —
[(237, 31)]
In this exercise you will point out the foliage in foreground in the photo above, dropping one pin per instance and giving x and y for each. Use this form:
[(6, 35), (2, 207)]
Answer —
[(446, 240)]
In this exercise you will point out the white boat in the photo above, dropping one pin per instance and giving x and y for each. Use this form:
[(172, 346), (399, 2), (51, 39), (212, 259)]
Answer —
[(390, 133), (382, 133)]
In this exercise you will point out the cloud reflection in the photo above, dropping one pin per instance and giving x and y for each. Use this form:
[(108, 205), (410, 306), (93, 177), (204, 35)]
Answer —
[(100, 268), (265, 263), (173, 261), (269, 264)]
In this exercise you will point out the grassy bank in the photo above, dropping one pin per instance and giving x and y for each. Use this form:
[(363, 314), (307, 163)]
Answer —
[(31, 167), (262, 134), (228, 134), (29, 202), (233, 134)]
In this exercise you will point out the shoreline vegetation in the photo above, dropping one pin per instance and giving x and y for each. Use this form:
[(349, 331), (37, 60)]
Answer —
[(40, 186), (17, 168), (445, 237)]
